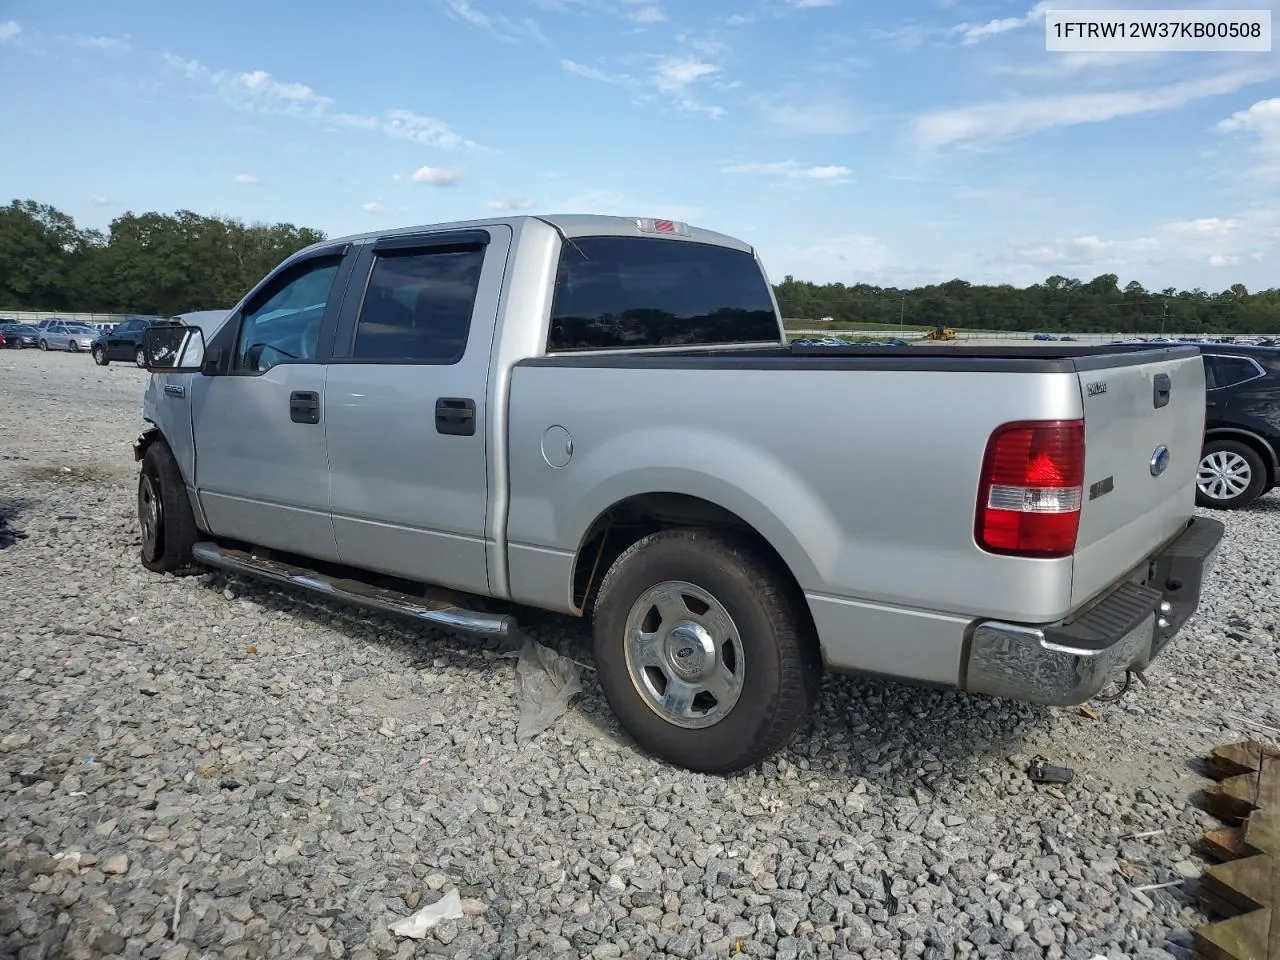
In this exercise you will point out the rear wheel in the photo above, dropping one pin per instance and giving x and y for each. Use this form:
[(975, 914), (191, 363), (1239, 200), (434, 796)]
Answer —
[(165, 519), (140, 357), (1231, 475), (44, 344), (704, 650), (73, 346), (100, 356)]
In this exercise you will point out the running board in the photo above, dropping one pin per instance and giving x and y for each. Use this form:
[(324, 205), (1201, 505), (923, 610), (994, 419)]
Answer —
[(438, 611)]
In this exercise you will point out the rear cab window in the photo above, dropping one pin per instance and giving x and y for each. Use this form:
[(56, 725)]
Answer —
[(636, 292), (1222, 370)]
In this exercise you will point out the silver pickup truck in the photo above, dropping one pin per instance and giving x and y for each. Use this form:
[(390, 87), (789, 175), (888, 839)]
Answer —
[(601, 416)]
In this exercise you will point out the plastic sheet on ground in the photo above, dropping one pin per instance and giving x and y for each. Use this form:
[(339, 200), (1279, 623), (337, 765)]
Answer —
[(416, 925), (545, 683)]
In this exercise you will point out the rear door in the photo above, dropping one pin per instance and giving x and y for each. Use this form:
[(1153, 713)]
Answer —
[(1144, 423), (406, 397)]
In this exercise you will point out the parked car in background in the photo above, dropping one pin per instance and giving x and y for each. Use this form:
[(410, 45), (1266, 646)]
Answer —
[(597, 416), (1240, 460), (124, 342), (65, 335), (20, 335)]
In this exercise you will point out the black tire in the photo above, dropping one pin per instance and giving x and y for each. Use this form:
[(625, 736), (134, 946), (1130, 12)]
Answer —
[(1224, 466), (100, 356), (165, 519), (140, 358), (780, 667), (73, 346), (44, 344)]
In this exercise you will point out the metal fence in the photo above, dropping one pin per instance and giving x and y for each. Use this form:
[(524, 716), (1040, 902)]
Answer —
[(35, 316)]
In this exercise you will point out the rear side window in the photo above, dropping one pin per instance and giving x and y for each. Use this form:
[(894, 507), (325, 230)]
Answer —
[(1223, 371), (417, 307), (620, 292)]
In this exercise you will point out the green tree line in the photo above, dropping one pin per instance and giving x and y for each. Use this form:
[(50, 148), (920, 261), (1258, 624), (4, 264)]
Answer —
[(158, 263)]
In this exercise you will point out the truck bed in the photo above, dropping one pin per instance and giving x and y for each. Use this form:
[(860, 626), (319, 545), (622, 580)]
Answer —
[(1050, 358), (865, 484)]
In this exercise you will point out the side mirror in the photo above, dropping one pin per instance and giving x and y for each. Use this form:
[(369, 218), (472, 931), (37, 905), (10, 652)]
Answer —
[(173, 349)]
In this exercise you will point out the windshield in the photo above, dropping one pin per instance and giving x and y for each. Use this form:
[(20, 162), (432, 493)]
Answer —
[(80, 328)]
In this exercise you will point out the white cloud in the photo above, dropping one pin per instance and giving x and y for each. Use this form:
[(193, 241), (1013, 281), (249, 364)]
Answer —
[(95, 43), (428, 131), (808, 116), (993, 28), (438, 176), (511, 204), (373, 206), (593, 73), (846, 256), (1169, 249), (256, 91), (740, 19), (100, 201), (791, 170), (9, 29), (1008, 119), (397, 177), (644, 12), (495, 24), (674, 76), (1261, 122), (245, 180), (811, 4)]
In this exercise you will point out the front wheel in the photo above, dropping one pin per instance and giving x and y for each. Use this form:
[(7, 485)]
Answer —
[(167, 524), (100, 356), (73, 346), (705, 650), (140, 358), (1231, 475), (44, 344)]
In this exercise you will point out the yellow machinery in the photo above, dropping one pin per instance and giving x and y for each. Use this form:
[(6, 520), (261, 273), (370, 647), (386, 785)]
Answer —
[(940, 333)]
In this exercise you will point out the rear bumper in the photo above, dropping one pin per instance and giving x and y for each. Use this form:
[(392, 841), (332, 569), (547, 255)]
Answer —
[(1063, 665)]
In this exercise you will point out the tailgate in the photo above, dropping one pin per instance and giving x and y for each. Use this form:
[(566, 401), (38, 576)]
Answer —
[(1144, 426)]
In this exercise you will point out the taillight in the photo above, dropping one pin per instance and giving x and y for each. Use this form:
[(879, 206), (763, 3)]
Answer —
[(1031, 489)]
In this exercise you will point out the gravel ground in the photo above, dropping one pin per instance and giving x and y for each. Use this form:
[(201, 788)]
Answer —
[(297, 776)]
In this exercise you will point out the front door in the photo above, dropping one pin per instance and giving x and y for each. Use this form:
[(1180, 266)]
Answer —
[(406, 399), (120, 340), (259, 422)]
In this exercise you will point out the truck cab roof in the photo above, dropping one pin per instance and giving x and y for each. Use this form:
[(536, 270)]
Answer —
[(569, 225)]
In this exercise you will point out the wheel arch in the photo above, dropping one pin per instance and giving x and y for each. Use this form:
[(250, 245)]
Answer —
[(150, 436), (1256, 442), (628, 520)]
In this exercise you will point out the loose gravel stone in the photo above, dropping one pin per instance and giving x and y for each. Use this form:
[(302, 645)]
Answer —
[(298, 775)]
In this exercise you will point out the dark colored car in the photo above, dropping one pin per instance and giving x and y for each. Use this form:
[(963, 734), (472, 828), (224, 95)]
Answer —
[(124, 341), (20, 335), (1240, 460)]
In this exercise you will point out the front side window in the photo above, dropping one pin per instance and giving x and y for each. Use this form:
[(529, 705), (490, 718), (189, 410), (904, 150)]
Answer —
[(283, 321), (618, 292), (417, 307)]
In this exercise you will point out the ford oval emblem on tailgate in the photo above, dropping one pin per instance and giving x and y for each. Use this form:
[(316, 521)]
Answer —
[(1159, 460)]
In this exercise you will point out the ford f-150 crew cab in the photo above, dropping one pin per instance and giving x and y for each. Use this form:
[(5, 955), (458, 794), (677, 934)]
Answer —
[(602, 417)]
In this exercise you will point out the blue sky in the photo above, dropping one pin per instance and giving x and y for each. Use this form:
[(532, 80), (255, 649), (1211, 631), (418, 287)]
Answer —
[(853, 140)]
